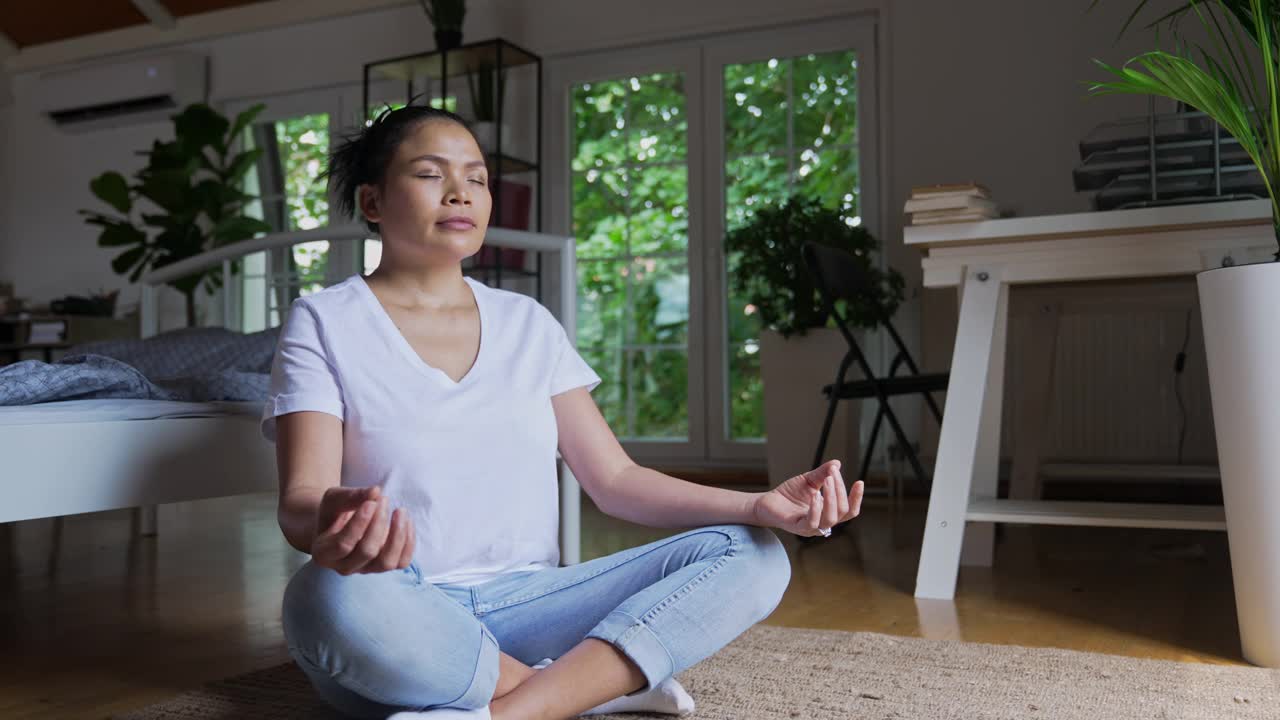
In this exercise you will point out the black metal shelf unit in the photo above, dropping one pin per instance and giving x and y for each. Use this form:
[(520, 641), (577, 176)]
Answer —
[(478, 80)]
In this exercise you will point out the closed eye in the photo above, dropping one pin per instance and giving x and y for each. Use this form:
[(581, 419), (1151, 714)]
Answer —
[(430, 176)]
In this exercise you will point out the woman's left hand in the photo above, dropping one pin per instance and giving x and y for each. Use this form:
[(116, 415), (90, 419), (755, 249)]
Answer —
[(809, 503)]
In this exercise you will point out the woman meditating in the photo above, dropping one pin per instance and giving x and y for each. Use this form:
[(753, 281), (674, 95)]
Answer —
[(417, 414)]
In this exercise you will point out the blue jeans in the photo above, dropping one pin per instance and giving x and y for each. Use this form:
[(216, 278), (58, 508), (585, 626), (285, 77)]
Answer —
[(376, 644)]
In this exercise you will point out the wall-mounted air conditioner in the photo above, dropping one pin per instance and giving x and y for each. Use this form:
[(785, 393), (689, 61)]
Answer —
[(124, 92)]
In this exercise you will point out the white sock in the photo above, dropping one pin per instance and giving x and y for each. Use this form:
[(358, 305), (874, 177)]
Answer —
[(668, 697), (443, 714)]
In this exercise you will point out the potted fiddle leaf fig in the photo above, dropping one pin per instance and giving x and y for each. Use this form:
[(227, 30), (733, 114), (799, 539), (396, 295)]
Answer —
[(446, 17), (800, 348), (1236, 82), (185, 201)]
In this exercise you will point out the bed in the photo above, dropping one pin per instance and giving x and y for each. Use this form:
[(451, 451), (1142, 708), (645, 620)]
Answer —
[(77, 456)]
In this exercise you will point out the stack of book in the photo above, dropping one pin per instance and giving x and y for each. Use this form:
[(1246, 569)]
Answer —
[(936, 204)]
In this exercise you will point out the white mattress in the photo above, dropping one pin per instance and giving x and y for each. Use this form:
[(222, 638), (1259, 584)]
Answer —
[(80, 411)]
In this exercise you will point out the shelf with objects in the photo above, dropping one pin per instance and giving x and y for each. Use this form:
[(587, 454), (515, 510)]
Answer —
[(1193, 158), (497, 87)]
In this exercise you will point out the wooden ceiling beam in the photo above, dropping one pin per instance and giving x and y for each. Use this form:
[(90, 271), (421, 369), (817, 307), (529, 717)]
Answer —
[(253, 17), (157, 13)]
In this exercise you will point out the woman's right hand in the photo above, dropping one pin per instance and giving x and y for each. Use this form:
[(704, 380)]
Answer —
[(356, 534)]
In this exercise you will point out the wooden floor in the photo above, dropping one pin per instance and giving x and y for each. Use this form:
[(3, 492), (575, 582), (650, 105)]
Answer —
[(104, 621)]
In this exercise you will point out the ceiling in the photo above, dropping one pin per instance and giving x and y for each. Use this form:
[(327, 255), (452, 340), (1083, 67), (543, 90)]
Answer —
[(25, 24)]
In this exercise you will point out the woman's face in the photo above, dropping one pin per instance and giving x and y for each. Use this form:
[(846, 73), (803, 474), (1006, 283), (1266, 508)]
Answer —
[(434, 202)]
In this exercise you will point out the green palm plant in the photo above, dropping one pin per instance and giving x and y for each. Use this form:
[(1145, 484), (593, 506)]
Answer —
[(1222, 83)]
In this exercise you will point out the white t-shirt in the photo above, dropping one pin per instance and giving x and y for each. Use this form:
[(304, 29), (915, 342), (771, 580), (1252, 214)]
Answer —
[(473, 462)]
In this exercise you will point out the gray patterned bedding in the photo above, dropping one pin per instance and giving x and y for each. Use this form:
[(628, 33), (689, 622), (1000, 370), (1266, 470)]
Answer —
[(188, 365)]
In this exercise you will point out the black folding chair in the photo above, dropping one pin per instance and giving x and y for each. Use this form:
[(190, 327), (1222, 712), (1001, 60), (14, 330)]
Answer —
[(838, 275)]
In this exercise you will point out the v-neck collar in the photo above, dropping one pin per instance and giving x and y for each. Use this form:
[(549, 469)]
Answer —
[(383, 318)]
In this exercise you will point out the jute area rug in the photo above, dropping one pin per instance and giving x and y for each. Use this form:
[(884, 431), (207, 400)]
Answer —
[(773, 672)]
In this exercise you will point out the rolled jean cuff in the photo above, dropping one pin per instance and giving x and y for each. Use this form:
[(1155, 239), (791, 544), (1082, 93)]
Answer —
[(485, 678), (639, 643)]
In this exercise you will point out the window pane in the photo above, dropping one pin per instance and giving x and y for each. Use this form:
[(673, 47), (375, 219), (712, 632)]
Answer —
[(659, 212), (830, 176), (658, 125), (311, 263), (630, 198), (291, 195), (816, 97), (609, 395), (303, 144), (599, 111), (449, 103), (287, 175), (755, 107), (600, 213), (601, 298), (825, 87), (744, 322), (659, 302), (746, 392), (752, 182), (659, 386)]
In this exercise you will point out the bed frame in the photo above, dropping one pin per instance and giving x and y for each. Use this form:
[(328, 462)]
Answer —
[(66, 468)]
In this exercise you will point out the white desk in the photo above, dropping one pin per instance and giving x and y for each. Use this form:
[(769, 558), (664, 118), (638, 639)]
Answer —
[(982, 259)]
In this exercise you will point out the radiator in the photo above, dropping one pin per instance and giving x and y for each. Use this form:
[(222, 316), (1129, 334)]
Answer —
[(1113, 392)]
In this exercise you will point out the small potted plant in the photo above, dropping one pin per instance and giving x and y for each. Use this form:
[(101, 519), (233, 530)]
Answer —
[(800, 348), (487, 86), (446, 17), (188, 200), (1237, 304)]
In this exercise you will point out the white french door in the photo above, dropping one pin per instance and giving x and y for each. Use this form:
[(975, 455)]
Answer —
[(821, 83), (655, 153), (623, 182)]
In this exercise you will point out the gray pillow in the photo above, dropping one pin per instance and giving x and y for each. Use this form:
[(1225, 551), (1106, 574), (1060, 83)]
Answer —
[(191, 352)]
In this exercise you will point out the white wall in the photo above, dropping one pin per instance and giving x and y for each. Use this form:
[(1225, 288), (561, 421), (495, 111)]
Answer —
[(45, 246), (993, 91)]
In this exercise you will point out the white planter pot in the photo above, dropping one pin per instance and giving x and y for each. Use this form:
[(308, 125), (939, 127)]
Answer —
[(1242, 344), (794, 371), (487, 136)]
